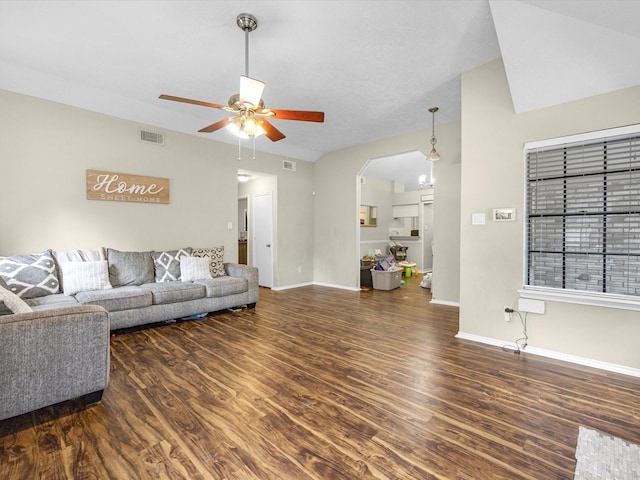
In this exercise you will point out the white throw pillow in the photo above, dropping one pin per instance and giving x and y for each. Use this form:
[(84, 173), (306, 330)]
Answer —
[(194, 268), (80, 255), (84, 276), (13, 301)]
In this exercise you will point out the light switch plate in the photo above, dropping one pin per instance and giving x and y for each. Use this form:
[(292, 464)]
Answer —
[(478, 219)]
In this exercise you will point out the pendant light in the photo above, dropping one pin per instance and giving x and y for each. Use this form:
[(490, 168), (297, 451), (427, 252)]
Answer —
[(434, 156)]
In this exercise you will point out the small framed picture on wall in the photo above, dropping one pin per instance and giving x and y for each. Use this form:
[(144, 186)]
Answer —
[(504, 214)]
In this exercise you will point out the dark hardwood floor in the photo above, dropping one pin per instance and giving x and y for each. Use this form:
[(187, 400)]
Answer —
[(319, 383)]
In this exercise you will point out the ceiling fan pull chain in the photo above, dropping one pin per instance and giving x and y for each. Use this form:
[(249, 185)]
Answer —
[(239, 149), (254, 146)]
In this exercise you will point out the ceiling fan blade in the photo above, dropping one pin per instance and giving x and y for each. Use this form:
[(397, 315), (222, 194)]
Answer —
[(271, 132), (301, 115), (250, 90), (193, 102), (216, 126)]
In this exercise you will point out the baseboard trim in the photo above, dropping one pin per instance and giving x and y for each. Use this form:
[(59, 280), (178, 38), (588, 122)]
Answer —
[(296, 285), (320, 284), (445, 302), (341, 287), (587, 362)]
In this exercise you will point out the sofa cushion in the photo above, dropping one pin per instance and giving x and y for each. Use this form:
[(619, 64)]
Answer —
[(130, 268), (14, 303), (30, 276), (167, 264), (222, 286), (216, 259), (116, 299), (194, 268), (84, 276), (172, 292), (57, 300)]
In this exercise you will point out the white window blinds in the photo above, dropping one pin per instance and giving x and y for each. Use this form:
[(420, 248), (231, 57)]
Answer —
[(583, 215)]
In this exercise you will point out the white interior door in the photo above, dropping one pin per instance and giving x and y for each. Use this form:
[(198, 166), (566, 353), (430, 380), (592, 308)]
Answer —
[(427, 236), (262, 231)]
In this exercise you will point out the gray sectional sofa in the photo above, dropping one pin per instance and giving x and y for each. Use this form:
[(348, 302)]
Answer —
[(50, 356), (57, 309)]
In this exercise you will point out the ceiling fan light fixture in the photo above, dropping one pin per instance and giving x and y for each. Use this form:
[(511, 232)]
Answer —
[(251, 127), (245, 127), (434, 156), (235, 127), (250, 91)]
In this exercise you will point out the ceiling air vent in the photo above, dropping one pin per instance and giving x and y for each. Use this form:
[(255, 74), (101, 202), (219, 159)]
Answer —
[(151, 137), (289, 165)]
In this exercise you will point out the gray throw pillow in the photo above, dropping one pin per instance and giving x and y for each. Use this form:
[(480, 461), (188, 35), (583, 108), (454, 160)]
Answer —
[(30, 276), (167, 264), (130, 268)]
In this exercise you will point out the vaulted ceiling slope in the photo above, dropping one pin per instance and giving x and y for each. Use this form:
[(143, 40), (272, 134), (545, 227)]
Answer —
[(373, 67)]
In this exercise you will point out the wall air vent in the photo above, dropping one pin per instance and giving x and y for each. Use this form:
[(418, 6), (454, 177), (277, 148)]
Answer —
[(289, 165), (151, 137)]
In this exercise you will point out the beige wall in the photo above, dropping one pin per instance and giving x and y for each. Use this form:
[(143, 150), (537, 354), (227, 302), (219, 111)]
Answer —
[(336, 209), (492, 255), (46, 148), (378, 193)]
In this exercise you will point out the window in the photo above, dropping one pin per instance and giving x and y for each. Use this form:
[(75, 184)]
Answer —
[(583, 218)]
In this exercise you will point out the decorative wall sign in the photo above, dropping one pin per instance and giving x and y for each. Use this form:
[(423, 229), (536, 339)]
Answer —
[(122, 187)]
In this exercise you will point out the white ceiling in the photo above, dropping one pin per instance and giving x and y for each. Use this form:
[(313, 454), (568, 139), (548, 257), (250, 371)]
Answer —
[(404, 168), (373, 67)]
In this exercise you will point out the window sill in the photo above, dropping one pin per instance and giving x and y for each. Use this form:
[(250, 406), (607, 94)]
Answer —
[(608, 300)]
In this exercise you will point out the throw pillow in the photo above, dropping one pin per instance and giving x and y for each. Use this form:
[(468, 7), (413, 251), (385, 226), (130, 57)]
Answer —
[(13, 302), (216, 259), (194, 268), (84, 276), (30, 276), (79, 255), (4, 310), (76, 256), (130, 268), (167, 264)]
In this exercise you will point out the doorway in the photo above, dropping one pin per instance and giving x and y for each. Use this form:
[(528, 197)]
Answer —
[(401, 186)]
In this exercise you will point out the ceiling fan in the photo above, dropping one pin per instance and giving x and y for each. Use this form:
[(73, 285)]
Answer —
[(249, 113)]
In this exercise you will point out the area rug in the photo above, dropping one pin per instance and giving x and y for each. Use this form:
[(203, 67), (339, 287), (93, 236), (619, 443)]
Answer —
[(601, 456)]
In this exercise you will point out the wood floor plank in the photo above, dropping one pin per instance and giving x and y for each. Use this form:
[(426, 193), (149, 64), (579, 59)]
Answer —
[(317, 384)]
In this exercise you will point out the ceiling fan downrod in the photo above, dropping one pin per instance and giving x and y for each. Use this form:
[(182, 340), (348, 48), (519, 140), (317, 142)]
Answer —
[(247, 23)]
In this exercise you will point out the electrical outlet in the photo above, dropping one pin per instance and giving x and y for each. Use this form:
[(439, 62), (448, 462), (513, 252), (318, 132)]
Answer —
[(507, 313)]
